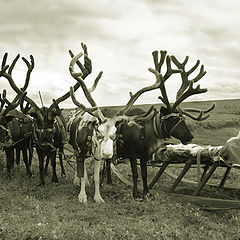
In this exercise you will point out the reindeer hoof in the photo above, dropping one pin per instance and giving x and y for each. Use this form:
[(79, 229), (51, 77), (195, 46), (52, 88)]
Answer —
[(63, 175), (41, 184), (98, 199), (82, 198), (137, 196), (54, 180), (148, 196)]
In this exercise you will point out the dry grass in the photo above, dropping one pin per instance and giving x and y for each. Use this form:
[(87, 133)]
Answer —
[(53, 211)]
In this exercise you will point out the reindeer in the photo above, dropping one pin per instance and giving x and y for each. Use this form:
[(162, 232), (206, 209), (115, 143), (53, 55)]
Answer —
[(15, 135), (142, 138), (47, 135), (93, 134), (16, 127)]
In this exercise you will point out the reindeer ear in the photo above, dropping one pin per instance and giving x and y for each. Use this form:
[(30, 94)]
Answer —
[(33, 112), (164, 110), (55, 108), (56, 112)]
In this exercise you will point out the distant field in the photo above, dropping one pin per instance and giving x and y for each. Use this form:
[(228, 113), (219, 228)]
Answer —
[(53, 212), (223, 123)]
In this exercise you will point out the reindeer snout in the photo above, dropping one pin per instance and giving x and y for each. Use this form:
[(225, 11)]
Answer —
[(107, 148)]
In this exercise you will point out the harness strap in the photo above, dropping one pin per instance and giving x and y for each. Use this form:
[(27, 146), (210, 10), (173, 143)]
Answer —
[(4, 128), (180, 120), (35, 138), (157, 125)]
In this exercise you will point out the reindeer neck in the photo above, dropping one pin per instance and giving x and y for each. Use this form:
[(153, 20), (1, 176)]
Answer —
[(154, 137)]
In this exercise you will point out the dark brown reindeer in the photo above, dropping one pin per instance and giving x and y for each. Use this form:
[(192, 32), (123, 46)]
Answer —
[(93, 134), (142, 139), (15, 132), (15, 135), (47, 135)]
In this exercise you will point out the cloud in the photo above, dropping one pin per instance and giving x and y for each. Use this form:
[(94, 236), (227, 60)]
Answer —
[(120, 39)]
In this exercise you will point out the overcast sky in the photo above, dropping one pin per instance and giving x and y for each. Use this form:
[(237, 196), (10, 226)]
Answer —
[(121, 35)]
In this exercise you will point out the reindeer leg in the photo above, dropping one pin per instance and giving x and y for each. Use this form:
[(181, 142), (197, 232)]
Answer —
[(76, 180), (25, 159), (41, 165), (60, 155), (82, 196), (133, 161), (53, 162), (17, 155), (46, 165), (143, 164), (30, 152), (109, 174), (10, 159), (97, 196), (86, 176)]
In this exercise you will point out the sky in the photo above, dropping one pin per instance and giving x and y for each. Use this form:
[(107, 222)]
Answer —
[(121, 36)]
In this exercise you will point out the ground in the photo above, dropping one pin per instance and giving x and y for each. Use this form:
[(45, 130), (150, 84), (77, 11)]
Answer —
[(53, 211)]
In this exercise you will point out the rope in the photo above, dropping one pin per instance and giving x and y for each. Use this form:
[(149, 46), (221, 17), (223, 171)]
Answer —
[(199, 166)]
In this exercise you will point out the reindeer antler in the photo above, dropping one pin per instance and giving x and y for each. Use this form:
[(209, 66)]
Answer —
[(2, 99), (189, 92), (157, 71), (10, 105), (186, 89), (8, 76), (85, 68), (134, 97), (200, 117), (87, 92), (185, 74)]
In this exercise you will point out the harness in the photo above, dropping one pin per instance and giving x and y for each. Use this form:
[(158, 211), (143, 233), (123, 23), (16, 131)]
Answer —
[(160, 128), (37, 133), (9, 139)]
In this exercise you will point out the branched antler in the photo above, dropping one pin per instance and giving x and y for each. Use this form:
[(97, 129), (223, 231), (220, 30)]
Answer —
[(87, 92), (200, 117), (134, 97), (185, 74), (189, 92), (10, 105), (186, 89), (2, 99), (8, 76), (157, 71), (85, 68), (85, 109)]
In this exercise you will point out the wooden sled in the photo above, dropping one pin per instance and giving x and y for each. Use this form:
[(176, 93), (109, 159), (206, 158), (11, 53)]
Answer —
[(192, 155)]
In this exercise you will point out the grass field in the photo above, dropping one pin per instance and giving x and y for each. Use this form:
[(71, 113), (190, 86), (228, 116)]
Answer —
[(53, 212)]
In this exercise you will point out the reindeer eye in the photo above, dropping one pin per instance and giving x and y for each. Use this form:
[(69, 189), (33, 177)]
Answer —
[(100, 136), (112, 137)]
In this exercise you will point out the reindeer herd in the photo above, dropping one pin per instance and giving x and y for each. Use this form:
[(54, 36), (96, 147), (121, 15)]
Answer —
[(89, 131)]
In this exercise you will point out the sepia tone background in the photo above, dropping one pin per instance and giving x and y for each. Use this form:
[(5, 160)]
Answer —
[(121, 37)]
